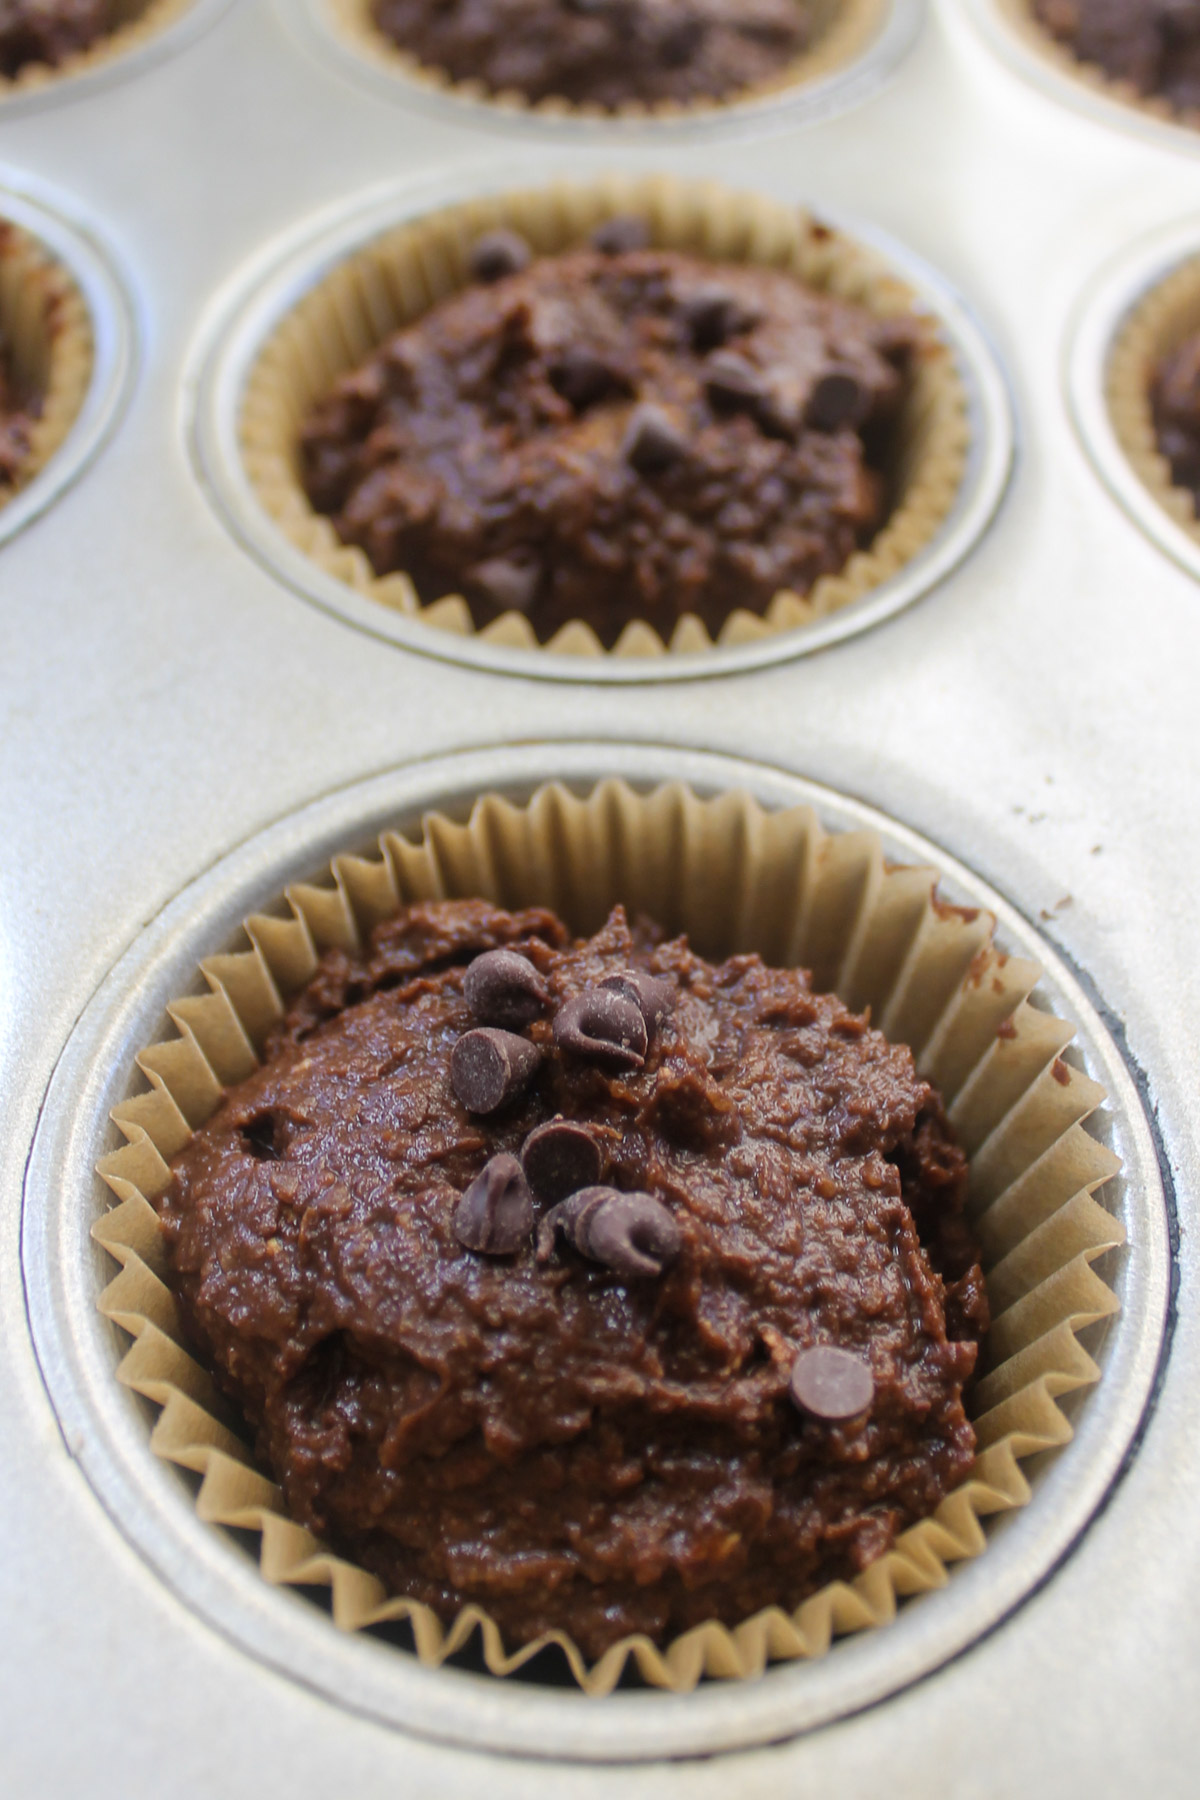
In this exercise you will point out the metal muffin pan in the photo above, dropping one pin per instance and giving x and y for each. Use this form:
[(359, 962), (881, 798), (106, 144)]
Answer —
[(78, 1350), (196, 17), (259, 298), (55, 222), (1111, 298), (801, 104)]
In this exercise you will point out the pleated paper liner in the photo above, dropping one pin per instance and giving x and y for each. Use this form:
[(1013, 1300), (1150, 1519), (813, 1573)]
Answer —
[(46, 332), (138, 22), (843, 30), (736, 878), (397, 277), (1022, 19), (1158, 324)]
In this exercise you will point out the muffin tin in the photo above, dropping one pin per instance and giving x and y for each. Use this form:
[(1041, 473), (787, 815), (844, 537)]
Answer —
[(1025, 727)]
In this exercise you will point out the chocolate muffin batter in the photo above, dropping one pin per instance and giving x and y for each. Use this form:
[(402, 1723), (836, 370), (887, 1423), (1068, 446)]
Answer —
[(1152, 44), (1175, 401), (49, 31), (603, 53), (16, 421), (614, 434), (706, 1356)]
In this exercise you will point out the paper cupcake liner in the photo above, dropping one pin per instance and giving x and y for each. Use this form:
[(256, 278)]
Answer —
[(46, 331), (140, 20), (843, 30), (397, 277), (1021, 18), (1167, 315), (735, 878)]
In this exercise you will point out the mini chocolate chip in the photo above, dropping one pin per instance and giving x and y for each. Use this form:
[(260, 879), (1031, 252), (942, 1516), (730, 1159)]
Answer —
[(580, 376), (632, 1234), (498, 253), (652, 442), (488, 1068), (507, 585), (832, 1384), (626, 231), (560, 1158), (732, 383), (653, 997), (838, 398), (604, 1027), (495, 1214), (713, 315), (503, 988)]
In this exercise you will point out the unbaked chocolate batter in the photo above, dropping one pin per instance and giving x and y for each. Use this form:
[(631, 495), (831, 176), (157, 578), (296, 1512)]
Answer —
[(612, 437), (1152, 44), (49, 31), (565, 1444), (16, 421), (1175, 400), (603, 53)]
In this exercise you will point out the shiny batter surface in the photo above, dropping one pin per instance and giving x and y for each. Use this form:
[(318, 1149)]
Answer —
[(563, 1446), (603, 53), (1152, 44), (49, 31), (486, 450)]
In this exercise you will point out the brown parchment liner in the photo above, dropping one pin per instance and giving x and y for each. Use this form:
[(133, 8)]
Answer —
[(399, 275), (1022, 19), (140, 20), (46, 333), (1158, 324), (842, 31), (735, 877)]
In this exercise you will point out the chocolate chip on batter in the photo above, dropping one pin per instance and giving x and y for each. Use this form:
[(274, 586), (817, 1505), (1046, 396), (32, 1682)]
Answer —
[(733, 384), (832, 1384), (495, 1214), (581, 377), (713, 315), (620, 234), (510, 586), (603, 1026), (652, 442), (652, 996), (503, 988), (837, 399), (561, 1157), (499, 253), (631, 1234), (488, 1068)]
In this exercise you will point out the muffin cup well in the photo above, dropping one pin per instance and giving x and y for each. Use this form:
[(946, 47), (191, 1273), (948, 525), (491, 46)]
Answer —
[(1158, 323), (843, 31), (734, 877), (47, 335), (1021, 19), (140, 21), (396, 277)]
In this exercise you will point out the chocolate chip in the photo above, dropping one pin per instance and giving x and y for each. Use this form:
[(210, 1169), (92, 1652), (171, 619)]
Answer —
[(499, 253), (503, 988), (838, 398), (652, 442), (495, 1214), (832, 1384), (507, 585), (580, 376), (604, 1027), (560, 1158), (713, 315), (680, 43), (631, 1234), (488, 1068), (732, 383), (619, 234), (653, 997)]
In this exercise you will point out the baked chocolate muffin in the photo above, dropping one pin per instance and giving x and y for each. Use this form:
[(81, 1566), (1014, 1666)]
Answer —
[(1154, 45), (605, 53), (50, 31), (600, 1285), (617, 433), (1175, 402)]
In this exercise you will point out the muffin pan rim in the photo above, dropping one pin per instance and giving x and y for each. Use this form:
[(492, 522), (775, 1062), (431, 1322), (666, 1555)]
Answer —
[(177, 35), (247, 309), (802, 104), (53, 221), (106, 1432), (1110, 297)]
